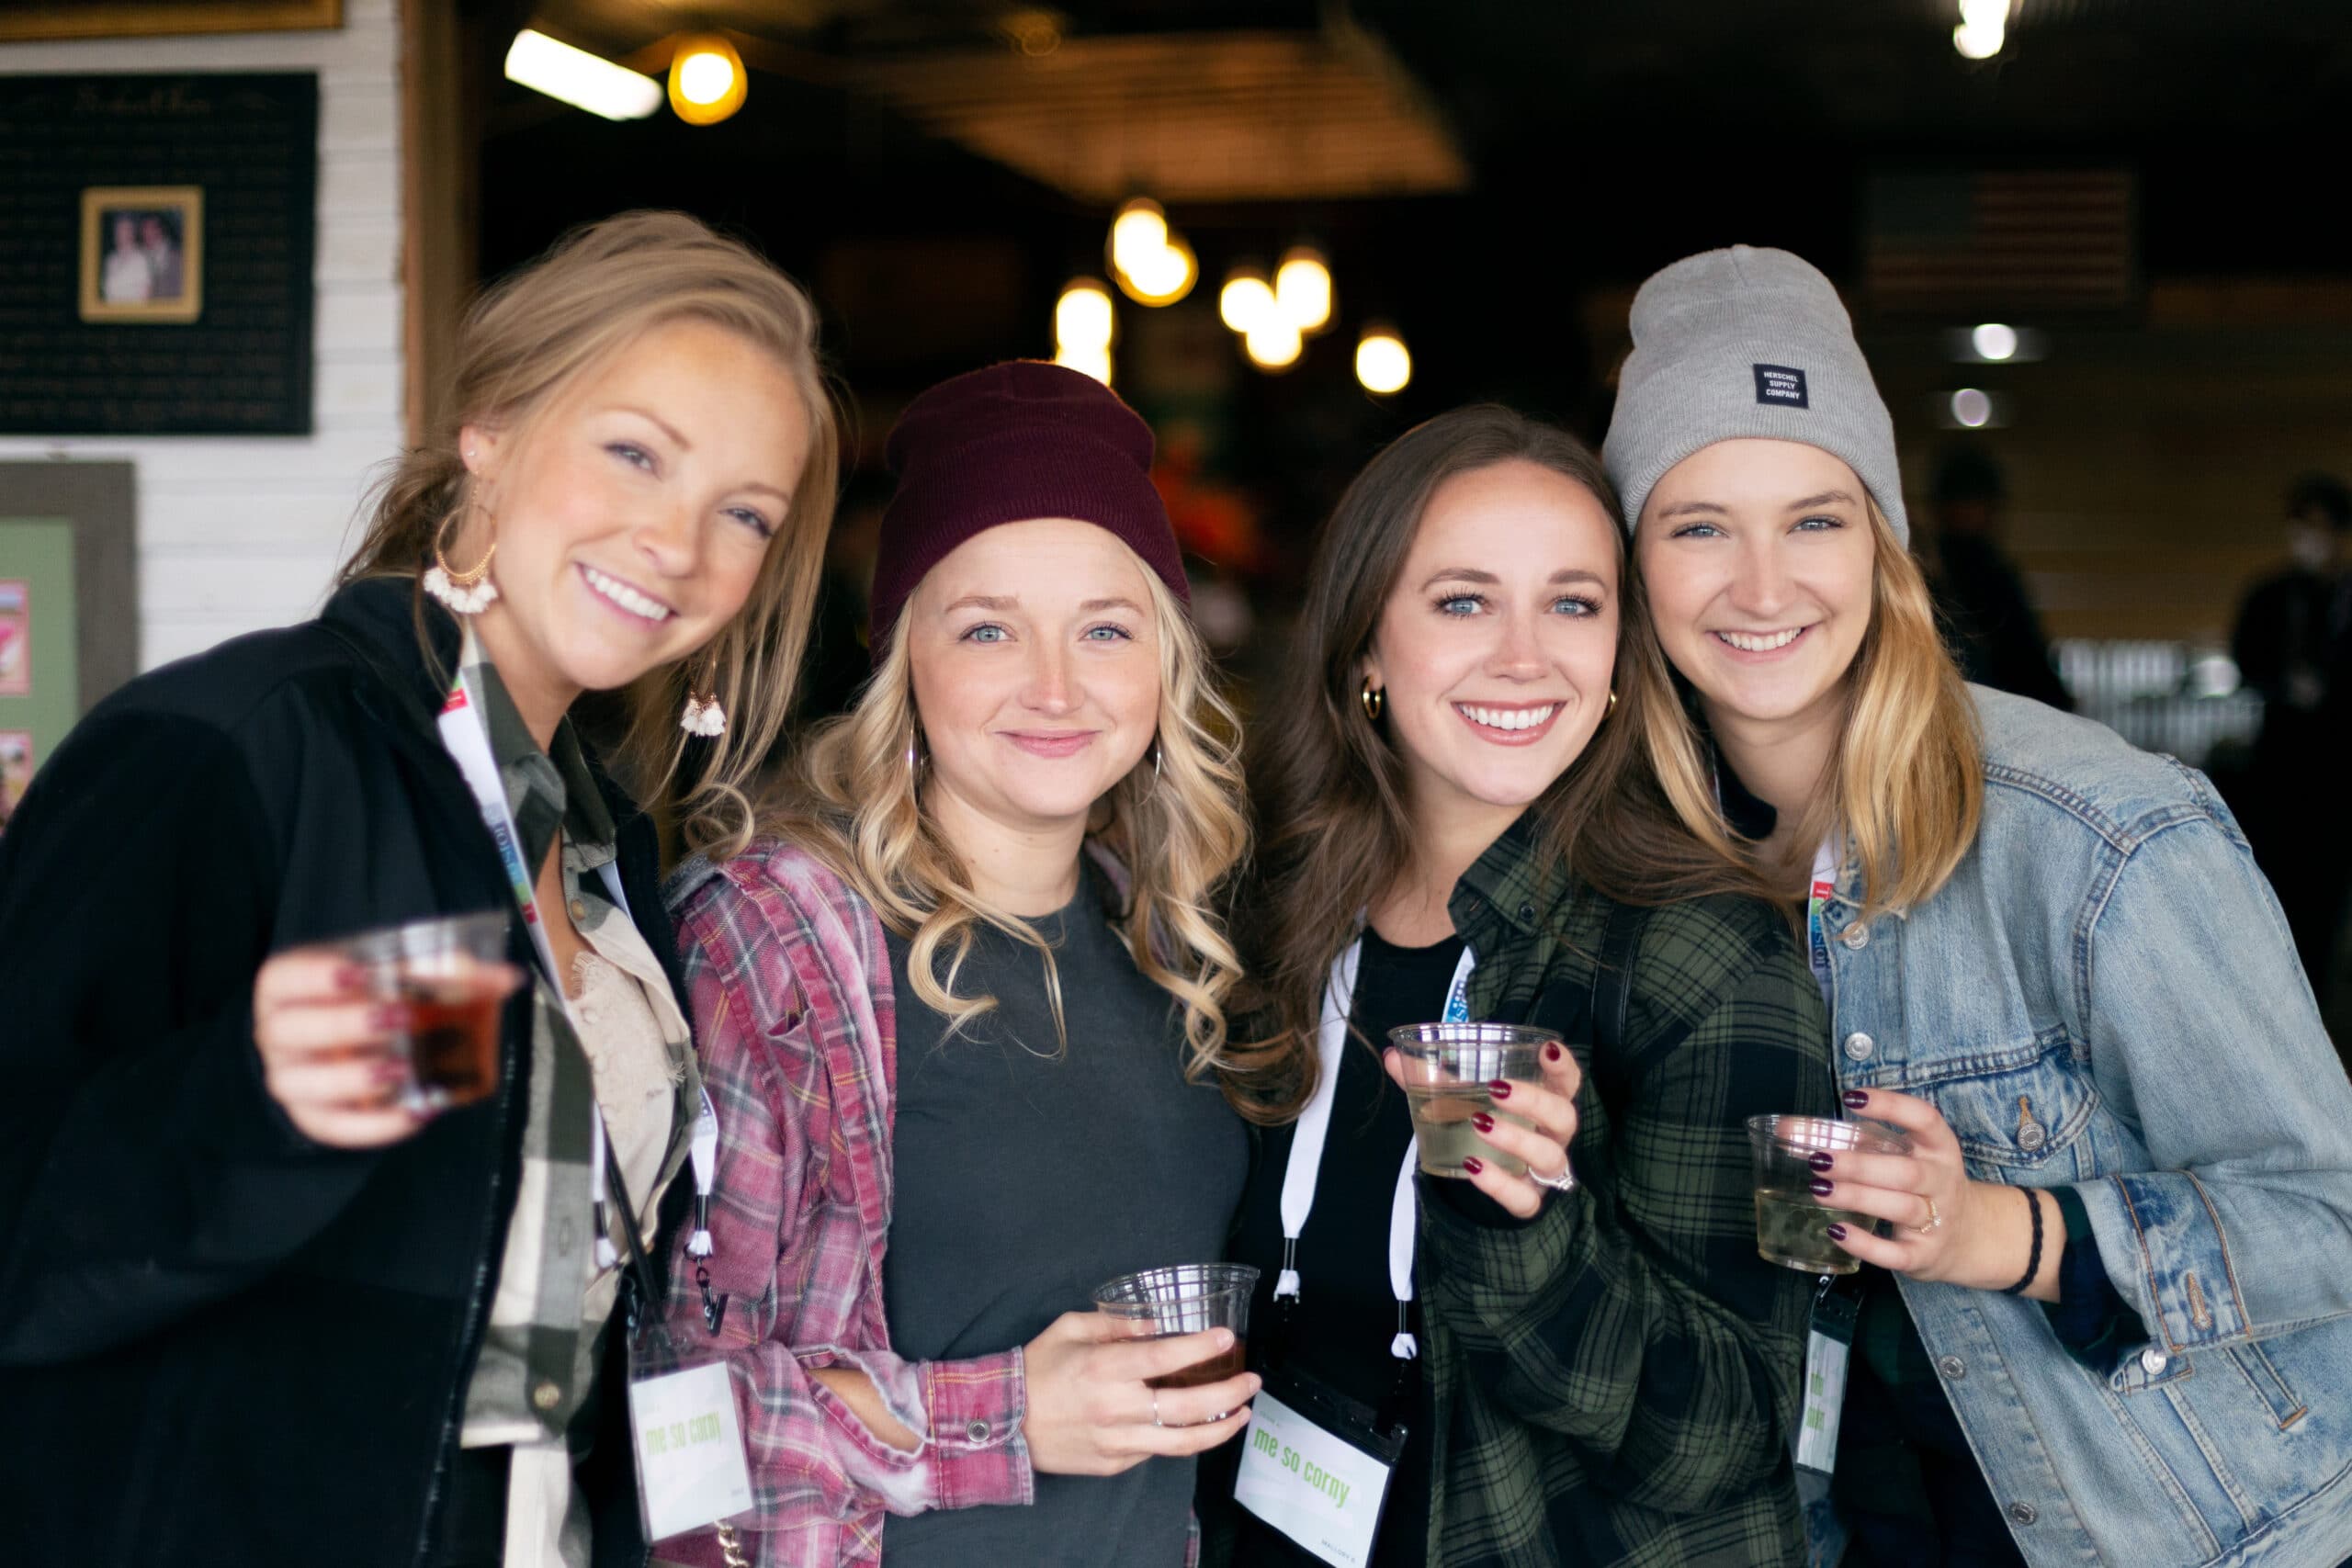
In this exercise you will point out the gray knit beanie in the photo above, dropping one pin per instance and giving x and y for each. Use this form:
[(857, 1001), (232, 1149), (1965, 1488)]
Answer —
[(1746, 342)]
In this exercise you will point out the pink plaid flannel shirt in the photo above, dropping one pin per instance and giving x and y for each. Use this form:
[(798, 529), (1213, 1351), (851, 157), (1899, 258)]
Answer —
[(790, 986)]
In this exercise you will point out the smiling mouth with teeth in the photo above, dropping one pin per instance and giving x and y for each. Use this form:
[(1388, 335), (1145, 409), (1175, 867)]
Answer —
[(1507, 718), (1764, 642), (626, 597)]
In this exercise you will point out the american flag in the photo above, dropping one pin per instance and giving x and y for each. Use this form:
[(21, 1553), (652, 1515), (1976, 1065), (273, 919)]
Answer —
[(2050, 240)]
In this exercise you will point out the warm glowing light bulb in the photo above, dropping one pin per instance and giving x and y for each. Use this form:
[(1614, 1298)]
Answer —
[(705, 78), (1246, 299), (1983, 28), (1083, 317), (1094, 362), (1163, 278), (1138, 235), (707, 82), (1383, 366), (1972, 408), (1303, 290), (1993, 340), (1273, 343)]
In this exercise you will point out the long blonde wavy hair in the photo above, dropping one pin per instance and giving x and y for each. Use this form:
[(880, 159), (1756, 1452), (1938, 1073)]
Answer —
[(1906, 784), (535, 333), (854, 800)]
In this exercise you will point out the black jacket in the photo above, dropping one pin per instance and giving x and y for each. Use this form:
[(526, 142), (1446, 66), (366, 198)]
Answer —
[(220, 1343)]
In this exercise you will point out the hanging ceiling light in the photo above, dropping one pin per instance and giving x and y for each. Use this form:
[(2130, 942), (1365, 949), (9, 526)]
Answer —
[(1246, 299), (1137, 235), (1165, 276), (581, 79), (1084, 323), (1302, 290), (707, 80), (1273, 343), (1383, 366), (1983, 28)]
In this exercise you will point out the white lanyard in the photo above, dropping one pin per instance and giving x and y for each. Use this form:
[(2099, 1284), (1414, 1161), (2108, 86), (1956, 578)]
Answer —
[(465, 735), (1315, 1124)]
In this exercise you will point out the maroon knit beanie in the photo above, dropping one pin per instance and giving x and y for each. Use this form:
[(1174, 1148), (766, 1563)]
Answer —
[(1014, 442)]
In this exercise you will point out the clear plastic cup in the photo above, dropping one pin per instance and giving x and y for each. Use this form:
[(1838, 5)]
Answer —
[(449, 972), (1185, 1298), (1792, 1224), (1447, 1070)]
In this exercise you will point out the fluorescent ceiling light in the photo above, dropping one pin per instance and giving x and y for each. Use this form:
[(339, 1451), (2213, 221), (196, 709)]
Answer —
[(581, 79)]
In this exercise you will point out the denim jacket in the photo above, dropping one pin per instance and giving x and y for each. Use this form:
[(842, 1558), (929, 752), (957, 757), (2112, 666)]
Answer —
[(2105, 996)]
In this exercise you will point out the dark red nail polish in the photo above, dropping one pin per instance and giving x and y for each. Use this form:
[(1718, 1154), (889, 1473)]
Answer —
[(1836, 1233), (1820, 1161), (1472, 1164), (1857, 1098), (1484, 1123), (1552, 1054), (1819, 1187), (1501, 1090)]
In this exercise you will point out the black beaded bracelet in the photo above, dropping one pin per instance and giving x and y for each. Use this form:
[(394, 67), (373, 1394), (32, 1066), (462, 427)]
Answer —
[(2033, 1260)]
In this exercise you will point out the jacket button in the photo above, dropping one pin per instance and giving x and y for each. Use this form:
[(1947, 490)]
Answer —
[(2032, 1136), (977, 1430), (2153, 1361), (579, 908), (2023, 1513), (1859, 1046), (1951, 1367), (547, 1396), (1857, 937), (1527, 911)]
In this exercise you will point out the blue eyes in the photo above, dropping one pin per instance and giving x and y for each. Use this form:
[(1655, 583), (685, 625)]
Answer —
[(1709, 530), (638, 457), (1462, 605), (990, 632)]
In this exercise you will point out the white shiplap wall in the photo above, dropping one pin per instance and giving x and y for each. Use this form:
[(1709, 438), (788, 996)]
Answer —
[(236, 533)]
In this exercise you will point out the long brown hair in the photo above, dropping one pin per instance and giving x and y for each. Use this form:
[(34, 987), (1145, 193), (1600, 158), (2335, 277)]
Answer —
[(534, 334), (1905, 786), (1335, 829)]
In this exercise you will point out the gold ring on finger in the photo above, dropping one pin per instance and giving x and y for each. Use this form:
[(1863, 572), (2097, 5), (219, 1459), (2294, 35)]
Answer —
[(1935, 1220)]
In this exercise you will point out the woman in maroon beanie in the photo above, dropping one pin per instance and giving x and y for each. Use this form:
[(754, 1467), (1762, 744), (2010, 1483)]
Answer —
[(960, 1006)]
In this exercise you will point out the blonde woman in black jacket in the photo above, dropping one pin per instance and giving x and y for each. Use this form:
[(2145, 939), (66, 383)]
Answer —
[(253, 1311)]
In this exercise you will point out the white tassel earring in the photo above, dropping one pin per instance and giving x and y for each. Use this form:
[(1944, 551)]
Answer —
[(701, 715), (467, 592)]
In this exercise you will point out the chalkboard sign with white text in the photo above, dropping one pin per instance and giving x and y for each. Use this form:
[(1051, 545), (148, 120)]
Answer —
[(155, 251)]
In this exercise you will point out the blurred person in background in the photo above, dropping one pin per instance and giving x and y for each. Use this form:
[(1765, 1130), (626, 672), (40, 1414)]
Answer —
[(2293, 644), (259, 1303), (1988, 619)]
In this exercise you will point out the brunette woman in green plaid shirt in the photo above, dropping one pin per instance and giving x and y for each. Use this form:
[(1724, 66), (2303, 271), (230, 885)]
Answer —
[(1607, 1372)]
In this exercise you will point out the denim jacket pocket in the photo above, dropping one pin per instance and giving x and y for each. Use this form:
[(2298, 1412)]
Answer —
[(2014, 1108)]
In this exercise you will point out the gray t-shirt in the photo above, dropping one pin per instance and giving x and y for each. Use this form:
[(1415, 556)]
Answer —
[(1027, 1175)]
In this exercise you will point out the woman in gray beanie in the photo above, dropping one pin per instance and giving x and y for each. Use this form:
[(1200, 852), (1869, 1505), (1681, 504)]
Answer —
[(2049, 959)]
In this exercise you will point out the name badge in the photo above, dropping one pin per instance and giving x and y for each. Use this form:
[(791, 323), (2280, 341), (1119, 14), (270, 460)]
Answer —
[(1321, 1489), (691, 1470), (1826, 1351)]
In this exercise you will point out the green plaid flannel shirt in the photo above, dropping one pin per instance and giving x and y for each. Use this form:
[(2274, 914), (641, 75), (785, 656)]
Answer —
[(1616, 1382)]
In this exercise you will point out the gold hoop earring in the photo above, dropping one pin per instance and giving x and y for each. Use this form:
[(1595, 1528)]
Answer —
[(915, 760), (467, 592), (1373, 698), (701, 715), (1613, 703)]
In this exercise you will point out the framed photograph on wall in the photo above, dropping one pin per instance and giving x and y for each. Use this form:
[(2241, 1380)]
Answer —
[(143, 252)]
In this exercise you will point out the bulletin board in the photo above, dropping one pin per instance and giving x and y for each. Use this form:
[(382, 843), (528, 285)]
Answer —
[(156, 236)]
